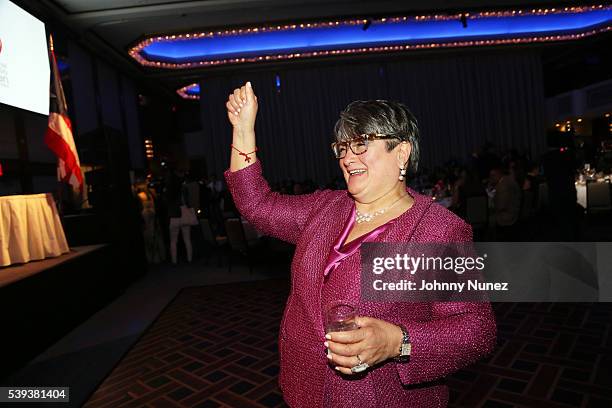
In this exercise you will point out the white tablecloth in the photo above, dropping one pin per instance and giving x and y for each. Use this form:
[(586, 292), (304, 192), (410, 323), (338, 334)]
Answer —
[(581, 195), (30, 229)]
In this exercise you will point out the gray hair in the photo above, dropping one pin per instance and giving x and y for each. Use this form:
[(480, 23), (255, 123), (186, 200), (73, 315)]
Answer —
[(380, 116)]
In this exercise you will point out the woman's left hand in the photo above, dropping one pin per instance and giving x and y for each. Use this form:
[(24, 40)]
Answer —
[(375, 341)]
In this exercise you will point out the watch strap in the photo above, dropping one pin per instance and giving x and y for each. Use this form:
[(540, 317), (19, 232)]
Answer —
[(405, 347)]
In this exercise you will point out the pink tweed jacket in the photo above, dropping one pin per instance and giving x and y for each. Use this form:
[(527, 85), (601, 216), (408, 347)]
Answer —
[(445, 336)]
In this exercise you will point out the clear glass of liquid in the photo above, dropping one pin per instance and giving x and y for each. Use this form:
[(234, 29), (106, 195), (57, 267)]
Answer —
[(340, 316)]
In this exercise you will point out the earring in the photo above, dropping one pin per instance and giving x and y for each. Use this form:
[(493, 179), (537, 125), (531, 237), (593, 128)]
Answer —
[(402, 173)]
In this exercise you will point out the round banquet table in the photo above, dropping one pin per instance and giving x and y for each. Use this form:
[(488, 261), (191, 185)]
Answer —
[(30, 229)]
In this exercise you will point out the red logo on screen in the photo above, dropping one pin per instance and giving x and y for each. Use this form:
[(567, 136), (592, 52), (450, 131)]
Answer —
[(0, 45)]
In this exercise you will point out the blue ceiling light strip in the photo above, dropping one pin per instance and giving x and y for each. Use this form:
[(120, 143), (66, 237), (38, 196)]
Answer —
[(191, 91), (395, 34), (194, 89), (379, 33)]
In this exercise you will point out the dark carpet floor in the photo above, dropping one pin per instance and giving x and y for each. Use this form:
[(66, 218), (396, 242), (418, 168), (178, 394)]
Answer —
[(216, 346)]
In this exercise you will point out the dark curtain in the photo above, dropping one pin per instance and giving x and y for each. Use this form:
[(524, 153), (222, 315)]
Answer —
[(117, 99), (129, 106), (460, 101), (83, 96)]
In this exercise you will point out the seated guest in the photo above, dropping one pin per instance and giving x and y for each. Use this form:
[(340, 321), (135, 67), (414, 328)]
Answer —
[(531, 185), (507, 204), (532, 178), (398, 352), (560, 171), (468, 185)]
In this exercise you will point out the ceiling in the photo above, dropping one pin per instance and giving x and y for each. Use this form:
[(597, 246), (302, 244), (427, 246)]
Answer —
[(111, 26)]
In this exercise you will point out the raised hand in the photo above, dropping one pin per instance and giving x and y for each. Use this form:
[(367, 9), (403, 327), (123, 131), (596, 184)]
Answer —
[(242, 108), (241, 111)]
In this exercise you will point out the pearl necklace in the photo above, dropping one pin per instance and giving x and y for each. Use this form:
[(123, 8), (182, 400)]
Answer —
[(367, 217)]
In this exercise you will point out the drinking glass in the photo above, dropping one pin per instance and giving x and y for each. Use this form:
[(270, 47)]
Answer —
[(340, 316)]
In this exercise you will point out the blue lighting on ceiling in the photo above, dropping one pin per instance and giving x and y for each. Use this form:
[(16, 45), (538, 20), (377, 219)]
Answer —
[(378, 34), (193, 90)]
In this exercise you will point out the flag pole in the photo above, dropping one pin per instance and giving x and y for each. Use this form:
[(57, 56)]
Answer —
[(60, 187)]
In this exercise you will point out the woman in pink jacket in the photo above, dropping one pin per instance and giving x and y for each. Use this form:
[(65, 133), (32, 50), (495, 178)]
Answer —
[(401, 351)]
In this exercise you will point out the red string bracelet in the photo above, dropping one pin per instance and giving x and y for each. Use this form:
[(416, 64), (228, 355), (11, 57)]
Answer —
[(247, 158)]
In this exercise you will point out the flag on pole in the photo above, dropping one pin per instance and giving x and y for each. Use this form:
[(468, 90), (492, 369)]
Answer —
[(58, 136)]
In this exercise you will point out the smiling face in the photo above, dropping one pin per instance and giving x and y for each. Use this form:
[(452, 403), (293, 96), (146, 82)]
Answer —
[(374, 173)]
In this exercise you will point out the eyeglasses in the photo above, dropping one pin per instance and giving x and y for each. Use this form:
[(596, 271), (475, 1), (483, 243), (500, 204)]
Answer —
[(358, 144)]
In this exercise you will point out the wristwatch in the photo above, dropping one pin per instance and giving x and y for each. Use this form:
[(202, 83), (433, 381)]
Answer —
[(405, 348)]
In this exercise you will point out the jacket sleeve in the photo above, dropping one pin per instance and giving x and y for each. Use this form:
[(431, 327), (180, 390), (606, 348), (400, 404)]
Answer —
[(277, 215), (458, 334)]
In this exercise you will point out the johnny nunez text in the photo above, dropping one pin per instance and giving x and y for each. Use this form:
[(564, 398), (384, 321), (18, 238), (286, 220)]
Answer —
[(472, 285)]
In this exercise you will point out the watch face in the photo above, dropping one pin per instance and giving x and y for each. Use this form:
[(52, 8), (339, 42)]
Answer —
[(406, 349)]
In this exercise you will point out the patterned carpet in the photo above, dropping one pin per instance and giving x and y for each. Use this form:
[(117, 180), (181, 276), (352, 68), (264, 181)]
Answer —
[(216, 346), (549, 355)]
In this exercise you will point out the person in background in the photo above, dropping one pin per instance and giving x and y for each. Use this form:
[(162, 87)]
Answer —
[(507, 204), (215, 195), (532, 178), (215, 185), (486, 160), (176, 197), (468, 185), (151, 231), (532, 183), (560, 172)]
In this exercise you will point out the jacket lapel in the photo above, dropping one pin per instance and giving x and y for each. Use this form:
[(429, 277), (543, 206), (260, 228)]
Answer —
[(406, 224), (334, 224)]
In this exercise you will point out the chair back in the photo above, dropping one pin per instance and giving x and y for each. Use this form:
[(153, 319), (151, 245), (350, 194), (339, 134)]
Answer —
[(235, 234), (250, 233), (542, 196), (477, 210), (598, 196), (527, 204), (207, 231)]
